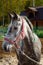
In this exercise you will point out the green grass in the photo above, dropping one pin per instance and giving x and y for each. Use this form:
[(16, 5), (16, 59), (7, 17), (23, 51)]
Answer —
[(1, 37), (39, 31), (3, 31)]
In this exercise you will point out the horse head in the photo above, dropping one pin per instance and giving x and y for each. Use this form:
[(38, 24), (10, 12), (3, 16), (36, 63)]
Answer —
[(14, 29)]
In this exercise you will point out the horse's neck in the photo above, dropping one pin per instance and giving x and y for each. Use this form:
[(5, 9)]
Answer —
[(27, 29), (28, 22), (28, 40)]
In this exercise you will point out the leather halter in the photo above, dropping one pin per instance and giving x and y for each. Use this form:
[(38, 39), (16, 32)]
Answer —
[(21, 36)]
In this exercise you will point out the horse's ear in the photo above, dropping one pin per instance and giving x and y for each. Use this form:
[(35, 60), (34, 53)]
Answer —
[(13, 15), (9, 15)]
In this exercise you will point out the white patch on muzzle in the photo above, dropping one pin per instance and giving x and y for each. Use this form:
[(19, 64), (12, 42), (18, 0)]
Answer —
[(6, 46)]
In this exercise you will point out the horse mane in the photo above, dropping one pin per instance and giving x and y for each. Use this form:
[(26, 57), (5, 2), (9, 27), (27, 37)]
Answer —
[(29, 23)]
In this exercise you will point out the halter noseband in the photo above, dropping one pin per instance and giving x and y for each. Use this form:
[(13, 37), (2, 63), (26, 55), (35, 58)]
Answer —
[(21, 36)]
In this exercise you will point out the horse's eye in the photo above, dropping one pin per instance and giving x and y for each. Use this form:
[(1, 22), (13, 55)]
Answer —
[(18, 19)]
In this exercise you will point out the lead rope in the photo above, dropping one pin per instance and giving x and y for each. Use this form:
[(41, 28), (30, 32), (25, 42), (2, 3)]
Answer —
[(19, 50), (30, 58)]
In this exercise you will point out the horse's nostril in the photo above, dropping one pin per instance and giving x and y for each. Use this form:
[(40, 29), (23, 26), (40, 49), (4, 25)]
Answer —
[(5, 49)]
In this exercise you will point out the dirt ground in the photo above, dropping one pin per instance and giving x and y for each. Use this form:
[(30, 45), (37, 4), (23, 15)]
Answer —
[(10, 58)]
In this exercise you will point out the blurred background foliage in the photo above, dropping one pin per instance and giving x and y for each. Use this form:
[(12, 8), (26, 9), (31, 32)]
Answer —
[(16, 5)]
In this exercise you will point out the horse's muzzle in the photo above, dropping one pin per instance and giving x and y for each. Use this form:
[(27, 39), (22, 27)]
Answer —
[(6, 47)]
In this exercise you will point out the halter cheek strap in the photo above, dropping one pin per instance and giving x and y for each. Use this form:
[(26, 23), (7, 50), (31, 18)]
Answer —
[(18, 38)]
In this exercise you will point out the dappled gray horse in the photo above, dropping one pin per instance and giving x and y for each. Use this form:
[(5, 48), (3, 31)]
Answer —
[(20, 35)]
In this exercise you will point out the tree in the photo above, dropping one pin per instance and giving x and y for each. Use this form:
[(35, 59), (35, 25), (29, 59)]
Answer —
[(39, 2), (16, 5), (11, 5)]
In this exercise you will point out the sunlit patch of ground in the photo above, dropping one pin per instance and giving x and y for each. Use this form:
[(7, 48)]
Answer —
[(11, 59), (8, 60), (41, 61)]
